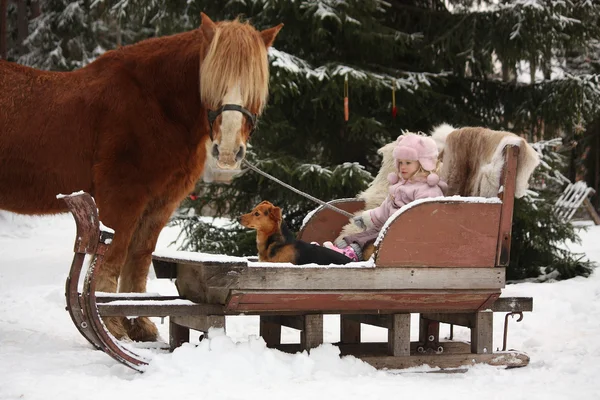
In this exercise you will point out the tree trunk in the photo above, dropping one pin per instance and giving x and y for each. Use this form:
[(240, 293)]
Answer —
[(3, 30), (36, 9), (22, 26)]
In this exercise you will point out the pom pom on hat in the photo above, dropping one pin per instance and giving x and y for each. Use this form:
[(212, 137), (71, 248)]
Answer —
[(433, 179), (393, 178)]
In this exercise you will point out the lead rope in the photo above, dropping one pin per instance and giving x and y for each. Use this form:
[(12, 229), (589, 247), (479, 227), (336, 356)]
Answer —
[(293, 189)]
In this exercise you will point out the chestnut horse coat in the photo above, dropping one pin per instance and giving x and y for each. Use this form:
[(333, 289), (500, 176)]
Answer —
[(132, 129)]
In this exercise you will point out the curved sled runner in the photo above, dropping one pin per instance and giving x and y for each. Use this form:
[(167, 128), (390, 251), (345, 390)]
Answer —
[(443, 258)]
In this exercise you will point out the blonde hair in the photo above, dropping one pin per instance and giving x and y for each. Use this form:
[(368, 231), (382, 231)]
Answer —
[(423, 172), (237, 56)]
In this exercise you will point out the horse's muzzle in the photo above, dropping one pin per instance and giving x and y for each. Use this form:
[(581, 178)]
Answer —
[(228, 160)]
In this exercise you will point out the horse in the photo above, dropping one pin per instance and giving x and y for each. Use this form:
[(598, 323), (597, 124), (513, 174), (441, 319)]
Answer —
[(134, 128)]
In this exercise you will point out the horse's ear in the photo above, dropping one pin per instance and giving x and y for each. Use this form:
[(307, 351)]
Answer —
[(268, 35), (207, 26)]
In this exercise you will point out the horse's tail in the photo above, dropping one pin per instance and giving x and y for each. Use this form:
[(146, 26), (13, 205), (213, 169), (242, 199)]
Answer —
[(440, 133)]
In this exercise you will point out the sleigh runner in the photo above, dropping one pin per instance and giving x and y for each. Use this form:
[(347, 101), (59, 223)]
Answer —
[(457, 278)]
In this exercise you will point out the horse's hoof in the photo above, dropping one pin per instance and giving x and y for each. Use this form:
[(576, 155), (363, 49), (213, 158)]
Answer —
[(115, 327), (141, 329)]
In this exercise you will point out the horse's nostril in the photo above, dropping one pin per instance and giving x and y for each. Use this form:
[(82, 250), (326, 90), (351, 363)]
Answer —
[(215, 150), (240, 153)]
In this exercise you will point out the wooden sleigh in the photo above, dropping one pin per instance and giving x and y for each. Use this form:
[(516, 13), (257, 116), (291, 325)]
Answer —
[(442, 258)]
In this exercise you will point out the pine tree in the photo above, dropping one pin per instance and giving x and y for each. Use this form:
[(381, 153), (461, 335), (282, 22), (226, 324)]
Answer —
[(65, 36), (500, 65), (464, 67)]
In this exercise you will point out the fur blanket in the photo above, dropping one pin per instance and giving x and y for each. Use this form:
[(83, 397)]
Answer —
[(466, 175), (473, 159)]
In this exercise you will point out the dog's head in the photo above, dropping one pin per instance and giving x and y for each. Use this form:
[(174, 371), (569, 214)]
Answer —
[(265, 217)]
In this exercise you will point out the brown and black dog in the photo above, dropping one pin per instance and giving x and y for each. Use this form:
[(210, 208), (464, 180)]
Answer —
[(276, 243)]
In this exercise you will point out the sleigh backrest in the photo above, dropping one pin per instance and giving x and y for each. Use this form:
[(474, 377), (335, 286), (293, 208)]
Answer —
[(453, 231)]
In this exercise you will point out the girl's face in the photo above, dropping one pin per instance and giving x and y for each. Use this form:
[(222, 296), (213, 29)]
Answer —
[(408, 168)]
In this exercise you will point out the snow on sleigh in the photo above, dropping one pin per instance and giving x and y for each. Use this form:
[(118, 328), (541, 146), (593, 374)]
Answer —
[(443, 258)]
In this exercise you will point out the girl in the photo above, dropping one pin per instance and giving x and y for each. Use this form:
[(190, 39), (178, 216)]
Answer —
[(416, 177)]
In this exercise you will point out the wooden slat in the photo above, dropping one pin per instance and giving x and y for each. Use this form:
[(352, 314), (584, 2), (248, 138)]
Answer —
[(461, 319), (285, 278), (382, 321), (133, 297), (165, 269), (511, 359), (399, 335), (512, 304), (591, 211), (177, 335), (199, 322), (380, 348), (482, 333), (312, 333), (442, 234), (326, 224), (270, 330), (509, 183), (349, 329), (152, 309), (366, 302)]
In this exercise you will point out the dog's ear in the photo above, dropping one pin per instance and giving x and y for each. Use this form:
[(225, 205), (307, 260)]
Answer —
[(275, 214)]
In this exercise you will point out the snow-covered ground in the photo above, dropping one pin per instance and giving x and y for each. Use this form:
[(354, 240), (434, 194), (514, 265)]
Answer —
[(42, 356)]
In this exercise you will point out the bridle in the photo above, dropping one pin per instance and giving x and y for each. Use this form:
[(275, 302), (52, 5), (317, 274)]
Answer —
[(212, 116)]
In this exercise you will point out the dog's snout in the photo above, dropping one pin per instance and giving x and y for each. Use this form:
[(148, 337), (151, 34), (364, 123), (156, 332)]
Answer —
[(215, 150)]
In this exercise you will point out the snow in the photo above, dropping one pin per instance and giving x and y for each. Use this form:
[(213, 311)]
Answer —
[(42, 355)]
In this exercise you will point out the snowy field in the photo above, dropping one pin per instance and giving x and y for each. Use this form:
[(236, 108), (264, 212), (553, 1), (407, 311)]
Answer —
[(42, 355)]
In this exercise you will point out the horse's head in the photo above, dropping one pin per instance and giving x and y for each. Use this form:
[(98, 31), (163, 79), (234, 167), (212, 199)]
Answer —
[(234, 81)]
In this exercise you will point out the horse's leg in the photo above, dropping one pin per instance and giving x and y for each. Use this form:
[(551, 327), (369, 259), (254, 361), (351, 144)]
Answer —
[(135, 270), (121, 214)]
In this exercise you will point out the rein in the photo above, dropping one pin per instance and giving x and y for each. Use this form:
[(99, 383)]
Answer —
[(293, 189)]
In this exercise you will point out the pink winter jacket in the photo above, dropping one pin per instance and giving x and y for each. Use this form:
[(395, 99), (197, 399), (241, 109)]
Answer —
[(402, 193)]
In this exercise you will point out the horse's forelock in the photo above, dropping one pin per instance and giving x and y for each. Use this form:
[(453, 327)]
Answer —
[(236, 56)]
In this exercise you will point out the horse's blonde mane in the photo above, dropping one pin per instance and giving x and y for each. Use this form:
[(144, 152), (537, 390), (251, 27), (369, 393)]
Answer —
[(237, 55)]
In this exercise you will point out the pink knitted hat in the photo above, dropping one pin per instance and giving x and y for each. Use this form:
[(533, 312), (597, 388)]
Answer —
[(418, 148)]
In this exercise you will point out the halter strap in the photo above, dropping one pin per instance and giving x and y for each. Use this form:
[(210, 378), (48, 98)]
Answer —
[(212, 116)]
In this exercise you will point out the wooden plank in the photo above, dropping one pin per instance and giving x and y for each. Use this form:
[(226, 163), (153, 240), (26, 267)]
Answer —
[(349, 329), (488, 303), (442, 234), (270, 330), (512, 304), (482, 333), (177, 335), (340, 278), (155, 309), (352, 301), (135, 297), (383, 321), (461, 319), (510, 359), (325, 224), (399, 335), (591, 211), (312, 334), (165, 269), (380, 348), (200, 322), (509, 182)]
